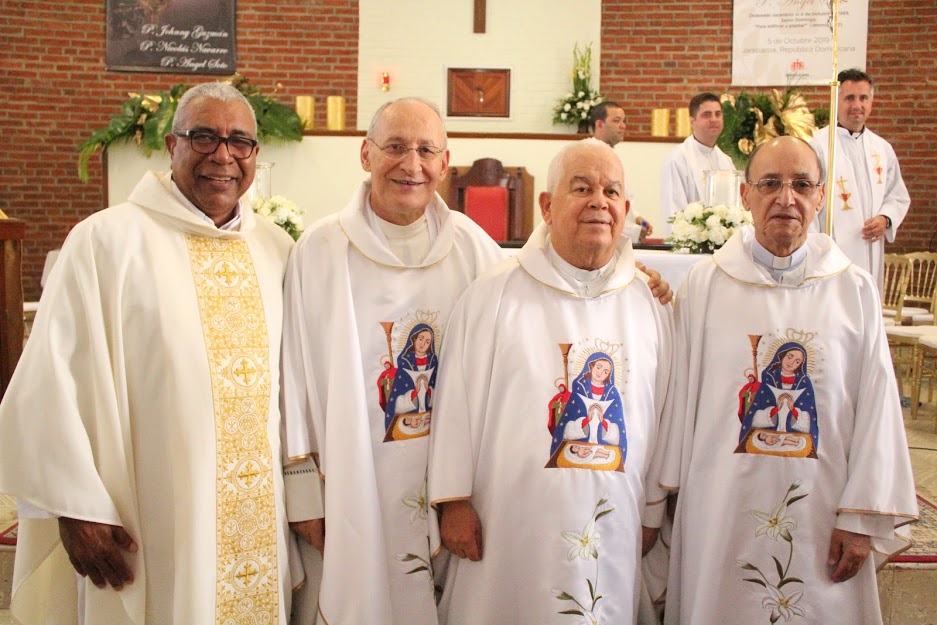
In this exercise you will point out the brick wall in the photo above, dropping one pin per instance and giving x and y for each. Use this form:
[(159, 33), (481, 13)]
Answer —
[(648, 62), (55, 93)]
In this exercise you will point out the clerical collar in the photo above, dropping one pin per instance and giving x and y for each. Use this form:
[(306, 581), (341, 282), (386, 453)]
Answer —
[(854, 135), (777, 266), (232, 225), (585, 282), (410, 243), (702, 147)]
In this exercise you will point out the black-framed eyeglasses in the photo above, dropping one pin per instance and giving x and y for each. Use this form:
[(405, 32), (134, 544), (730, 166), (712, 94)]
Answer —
[(397, 151), (205, 142), (772, 186)]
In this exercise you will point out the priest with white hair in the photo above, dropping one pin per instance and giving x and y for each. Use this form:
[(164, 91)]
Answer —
[(542, 494)]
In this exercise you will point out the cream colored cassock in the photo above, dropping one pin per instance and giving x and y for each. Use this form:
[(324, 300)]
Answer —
[(343, 283), (491, 442), (682, 176), (867, 171), (146, 397), (743, 516)]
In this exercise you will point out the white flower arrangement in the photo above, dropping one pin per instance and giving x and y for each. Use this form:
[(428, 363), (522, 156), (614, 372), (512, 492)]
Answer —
[(282, 212), (575, 106), (704, 229)]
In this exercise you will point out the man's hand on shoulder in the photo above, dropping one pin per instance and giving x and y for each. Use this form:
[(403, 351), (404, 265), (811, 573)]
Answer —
[(312, 531), (460, 530), (659, 288), (648, 539), (94, 549), (848, 552)]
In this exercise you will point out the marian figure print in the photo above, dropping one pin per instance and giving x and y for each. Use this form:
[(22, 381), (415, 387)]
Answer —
[(781, 419), (590, 431), (407, 403)]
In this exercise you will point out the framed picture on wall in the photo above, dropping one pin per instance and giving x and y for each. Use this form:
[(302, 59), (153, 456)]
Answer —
[(177, 36)]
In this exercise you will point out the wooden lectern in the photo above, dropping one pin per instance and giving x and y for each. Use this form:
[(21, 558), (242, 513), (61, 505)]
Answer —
[(12, 233)]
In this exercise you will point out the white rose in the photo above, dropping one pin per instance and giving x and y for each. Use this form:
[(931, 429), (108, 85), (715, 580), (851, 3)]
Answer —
[(694, 210), (566, 106), (581, 94), (720, 209), (697, 234), (719, 235), (713, 221), (563, 115)]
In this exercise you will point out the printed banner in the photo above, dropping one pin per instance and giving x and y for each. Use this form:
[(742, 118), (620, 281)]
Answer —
[(780, 43), (178, 36)]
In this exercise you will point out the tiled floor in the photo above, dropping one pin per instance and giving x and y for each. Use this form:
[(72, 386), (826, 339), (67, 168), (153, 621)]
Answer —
[(908, 591)]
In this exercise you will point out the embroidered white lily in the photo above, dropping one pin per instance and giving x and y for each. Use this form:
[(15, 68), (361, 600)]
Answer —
[(775, 524), (585, 545), (419, 504), (780, 605)]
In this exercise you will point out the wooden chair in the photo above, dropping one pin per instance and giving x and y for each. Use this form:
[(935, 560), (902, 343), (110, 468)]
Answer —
[(922, 288), (897, 268), (498, 198), (925, 370), (904, 345)]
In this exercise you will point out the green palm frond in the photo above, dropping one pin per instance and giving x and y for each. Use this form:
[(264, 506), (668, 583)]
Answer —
[(147, 119)]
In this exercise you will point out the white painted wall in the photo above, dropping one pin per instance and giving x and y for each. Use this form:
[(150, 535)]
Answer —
[(321, 172), (415, 41)]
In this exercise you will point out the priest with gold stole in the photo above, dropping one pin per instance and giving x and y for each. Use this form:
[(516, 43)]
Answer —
[(141, 428), (544, 505), (786, 441)]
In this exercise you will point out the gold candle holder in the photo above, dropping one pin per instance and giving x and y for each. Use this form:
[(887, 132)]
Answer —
[(335, 112), (306, 109), (683, 122), (660, 122)]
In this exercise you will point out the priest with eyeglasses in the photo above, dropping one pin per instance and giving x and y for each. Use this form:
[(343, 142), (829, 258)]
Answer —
[(141, 427), (786, 443)]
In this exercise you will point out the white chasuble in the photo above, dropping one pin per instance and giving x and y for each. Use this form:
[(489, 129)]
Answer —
[(786, 424), (546, 419), (867, 183), (362, 352), (683, 176), (147, 395)]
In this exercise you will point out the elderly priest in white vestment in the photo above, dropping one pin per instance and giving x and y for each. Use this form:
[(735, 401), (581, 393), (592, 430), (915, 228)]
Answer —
[(140, 430), (368, 295), (788, 446), (683, 173), (548, 406), (870, 199)]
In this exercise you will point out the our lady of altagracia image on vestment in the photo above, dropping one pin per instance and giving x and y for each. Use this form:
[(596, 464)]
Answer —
[(779, 414), (406, 385), (586, 417)]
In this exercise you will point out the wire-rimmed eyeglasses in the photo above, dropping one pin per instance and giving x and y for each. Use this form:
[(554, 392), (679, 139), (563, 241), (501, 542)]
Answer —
[(772, 186), (397, 151)]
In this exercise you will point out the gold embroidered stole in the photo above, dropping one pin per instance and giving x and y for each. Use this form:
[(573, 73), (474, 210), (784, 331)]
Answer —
[(238, 348)]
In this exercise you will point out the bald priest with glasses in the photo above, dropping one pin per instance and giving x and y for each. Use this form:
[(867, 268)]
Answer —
[(141, 427), (368, 296), (787, 443)]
